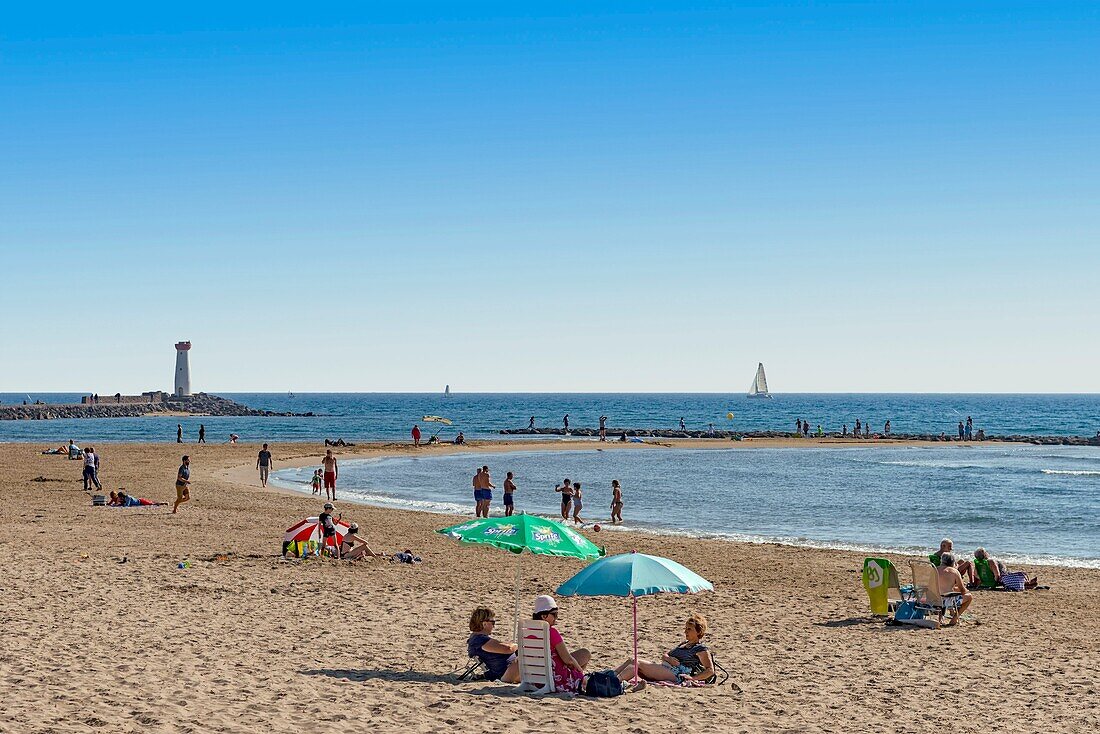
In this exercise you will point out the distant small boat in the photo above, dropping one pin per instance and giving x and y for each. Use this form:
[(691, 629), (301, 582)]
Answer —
[(759, 387), (289, 394), (447, 391)]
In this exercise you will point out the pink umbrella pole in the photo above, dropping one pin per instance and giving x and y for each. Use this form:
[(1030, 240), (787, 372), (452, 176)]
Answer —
[(635, 598)]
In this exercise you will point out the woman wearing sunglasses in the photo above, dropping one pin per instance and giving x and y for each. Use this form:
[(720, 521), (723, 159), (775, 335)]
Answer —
[(568, 667), (499, 657)]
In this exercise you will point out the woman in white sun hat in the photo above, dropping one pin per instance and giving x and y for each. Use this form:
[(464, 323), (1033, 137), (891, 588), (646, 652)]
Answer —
[(568, 667)]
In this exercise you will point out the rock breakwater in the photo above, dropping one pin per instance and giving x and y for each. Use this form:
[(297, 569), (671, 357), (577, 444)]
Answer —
[(199, 404)]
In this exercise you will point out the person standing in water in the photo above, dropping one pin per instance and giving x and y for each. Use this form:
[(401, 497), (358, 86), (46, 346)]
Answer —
[(509, 489), (330, 474), (183, 484), (577, 505), (566, 489), (179, 433), (616, 502)]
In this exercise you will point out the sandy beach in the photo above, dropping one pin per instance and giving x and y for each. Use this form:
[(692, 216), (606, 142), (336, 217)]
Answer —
[(104, 633)]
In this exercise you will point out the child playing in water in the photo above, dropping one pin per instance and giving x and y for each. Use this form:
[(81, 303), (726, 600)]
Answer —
[(316, 481)]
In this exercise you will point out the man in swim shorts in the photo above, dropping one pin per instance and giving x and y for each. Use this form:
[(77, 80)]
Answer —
[(331, 472), (509, 488), (183, 484), (486, 493)]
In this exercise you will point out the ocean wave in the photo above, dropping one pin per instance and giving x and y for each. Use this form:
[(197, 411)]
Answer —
[(1073, 472)]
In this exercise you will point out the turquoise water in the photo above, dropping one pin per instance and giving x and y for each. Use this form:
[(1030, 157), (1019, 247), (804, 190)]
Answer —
[(1030, 504), (389, 416)]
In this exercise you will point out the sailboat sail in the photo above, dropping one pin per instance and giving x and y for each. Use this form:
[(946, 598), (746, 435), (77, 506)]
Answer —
[(760, 383), (447, 391)]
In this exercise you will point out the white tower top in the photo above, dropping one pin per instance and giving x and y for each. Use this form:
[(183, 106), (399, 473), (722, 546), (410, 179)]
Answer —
[(183, 369)]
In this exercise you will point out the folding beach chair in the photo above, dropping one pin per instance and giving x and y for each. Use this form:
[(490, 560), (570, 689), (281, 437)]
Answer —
[(880, 579), (474, 669), (926, 591), (986, 577), (536, 672)]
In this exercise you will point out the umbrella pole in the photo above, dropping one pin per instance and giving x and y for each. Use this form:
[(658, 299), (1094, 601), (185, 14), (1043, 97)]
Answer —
[(635, 599), (515, 620)]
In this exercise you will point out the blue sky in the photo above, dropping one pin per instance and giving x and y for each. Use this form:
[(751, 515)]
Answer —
[(571, 197)]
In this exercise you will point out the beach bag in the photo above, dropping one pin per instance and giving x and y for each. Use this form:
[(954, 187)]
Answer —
[(604, 684), (1014, 581), (906, 611)]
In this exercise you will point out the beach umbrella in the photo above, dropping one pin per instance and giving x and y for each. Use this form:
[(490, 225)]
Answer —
[(634, 574), (518, 533), (437, 419), (310, 529)]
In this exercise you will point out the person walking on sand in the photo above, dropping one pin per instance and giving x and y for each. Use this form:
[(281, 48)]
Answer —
[(330, 474), (91, 469), (616, 502), (179, 433), (416, 435), (264, 464), (577, 504), (509, 500), (183, 484), (202, 433), (566, 489)]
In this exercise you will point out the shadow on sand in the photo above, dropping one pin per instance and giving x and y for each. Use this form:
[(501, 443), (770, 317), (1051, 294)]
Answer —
[(489, 688)]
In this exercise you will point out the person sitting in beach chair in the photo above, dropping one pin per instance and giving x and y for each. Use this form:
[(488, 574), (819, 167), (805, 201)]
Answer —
[(353, 547), (966, 568), (690, 660), (567, 667), (994, 574), (941, 589), (499, 658)]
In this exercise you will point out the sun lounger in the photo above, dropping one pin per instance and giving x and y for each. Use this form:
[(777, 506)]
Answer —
[(535, 671)]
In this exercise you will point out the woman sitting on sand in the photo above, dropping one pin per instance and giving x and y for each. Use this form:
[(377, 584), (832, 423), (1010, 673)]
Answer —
[(568, 667), (690, 660), (1016, 580), (499, 657), (353, 547)]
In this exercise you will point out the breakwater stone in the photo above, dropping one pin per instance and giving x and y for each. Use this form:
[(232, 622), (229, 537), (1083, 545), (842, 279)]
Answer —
[(199, 404), (613, 434)]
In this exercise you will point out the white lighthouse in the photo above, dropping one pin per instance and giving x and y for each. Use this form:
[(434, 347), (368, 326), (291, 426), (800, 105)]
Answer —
[(183, 369)]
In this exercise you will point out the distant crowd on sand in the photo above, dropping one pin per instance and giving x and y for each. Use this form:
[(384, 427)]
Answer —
[(572, 497)]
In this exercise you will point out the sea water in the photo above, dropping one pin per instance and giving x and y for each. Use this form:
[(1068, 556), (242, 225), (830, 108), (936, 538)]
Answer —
[(1034, 504), (390, 416)]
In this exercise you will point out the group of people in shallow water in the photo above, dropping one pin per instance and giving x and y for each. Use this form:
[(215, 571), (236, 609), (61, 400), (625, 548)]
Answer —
[(572, 497), (690, 660)]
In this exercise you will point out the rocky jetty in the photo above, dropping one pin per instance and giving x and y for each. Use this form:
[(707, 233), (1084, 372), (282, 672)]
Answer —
[(199, 404), (614, 433)]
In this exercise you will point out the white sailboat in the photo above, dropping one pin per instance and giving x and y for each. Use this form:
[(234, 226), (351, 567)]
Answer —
[(759, 387)]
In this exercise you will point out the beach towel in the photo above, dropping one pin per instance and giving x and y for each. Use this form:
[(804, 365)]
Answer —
[(685, 683)]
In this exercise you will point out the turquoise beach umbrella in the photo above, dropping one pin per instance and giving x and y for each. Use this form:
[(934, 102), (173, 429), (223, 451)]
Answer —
[(634, 575), (523, 532)]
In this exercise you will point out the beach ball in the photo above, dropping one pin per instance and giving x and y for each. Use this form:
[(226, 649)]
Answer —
[(729, 416), (596, 527)]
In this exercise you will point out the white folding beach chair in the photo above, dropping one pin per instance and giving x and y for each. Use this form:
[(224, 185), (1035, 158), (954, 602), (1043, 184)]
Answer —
[(926, 590), (535, 671)]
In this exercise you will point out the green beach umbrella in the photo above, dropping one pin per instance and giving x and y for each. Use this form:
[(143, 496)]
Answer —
[(523, 532)]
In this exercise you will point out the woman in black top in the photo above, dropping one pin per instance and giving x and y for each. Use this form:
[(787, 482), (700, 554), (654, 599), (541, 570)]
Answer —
[(688, 660), (499, 657)]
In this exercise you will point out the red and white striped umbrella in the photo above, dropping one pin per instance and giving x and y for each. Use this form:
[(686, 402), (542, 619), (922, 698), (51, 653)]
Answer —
[(310, 529)]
